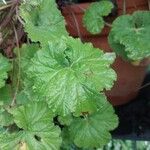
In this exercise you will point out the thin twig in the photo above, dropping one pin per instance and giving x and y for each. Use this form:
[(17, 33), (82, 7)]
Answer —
[(124, 7), (5, 6), (7, 19), (149, 4), (76, 24), (18, 75), (18, 16), (144, 86), (108, 24)]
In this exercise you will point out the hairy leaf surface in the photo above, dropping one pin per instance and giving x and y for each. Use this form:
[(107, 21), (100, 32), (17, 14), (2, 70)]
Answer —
[(43, 21), (132, 32), (93, 17), (38, 131), (64, 69), (92, 130)]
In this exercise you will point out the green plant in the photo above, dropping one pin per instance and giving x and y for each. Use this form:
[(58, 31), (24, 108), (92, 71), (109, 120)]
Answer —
[(54, 96), (129, 35)]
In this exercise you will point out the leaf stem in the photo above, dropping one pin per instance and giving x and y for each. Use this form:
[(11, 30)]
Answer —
[(108, 24), (18, 75), (124, 7), (5, 6), (76, 24), (149, 4)]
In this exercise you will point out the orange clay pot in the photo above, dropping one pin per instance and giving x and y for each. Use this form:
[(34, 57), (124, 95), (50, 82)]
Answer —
[(129, 77)]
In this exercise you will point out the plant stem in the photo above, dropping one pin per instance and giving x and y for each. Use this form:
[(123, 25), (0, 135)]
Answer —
[(124, 7), (18, 75), (144, 86), (5, 6), (76, 25), (149, 4), (108, 24)]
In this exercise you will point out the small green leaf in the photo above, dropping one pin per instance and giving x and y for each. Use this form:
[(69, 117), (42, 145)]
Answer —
[(43, 21), (93, 17), (132, 32), (93, 130), (38, 131), (65, 68), (4, 68)]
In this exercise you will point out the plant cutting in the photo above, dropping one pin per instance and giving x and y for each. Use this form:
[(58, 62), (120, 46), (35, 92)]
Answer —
[(52, 94), (130, 69)]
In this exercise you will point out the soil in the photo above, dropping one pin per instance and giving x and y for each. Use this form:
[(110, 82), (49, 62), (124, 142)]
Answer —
[(134, 117)]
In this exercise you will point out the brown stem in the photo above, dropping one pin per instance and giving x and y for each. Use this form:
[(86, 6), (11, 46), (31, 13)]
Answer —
[(124, 7), (8, 18), (76, 24), (149, 4), (18, 75)]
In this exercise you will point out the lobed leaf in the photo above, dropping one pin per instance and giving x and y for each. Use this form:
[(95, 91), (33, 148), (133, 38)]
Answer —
[(92, 130), (131, 32), (64, 69), (38, 131), (43, 21), (93, 17)]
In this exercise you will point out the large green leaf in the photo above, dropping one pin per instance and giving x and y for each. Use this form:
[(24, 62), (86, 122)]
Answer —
[(93, 17), (92, 130), (38, 131), (4, 68), (43, 21), (64, 69), (132, 32)]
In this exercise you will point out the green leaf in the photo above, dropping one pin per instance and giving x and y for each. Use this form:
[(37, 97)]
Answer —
[(9, 141), (117, 47), (93, 130), (5, 95), (5, 100), (4, 68), (93, 17), (67, 143), (6, 118), (132, 32), (65, 120), (38, 131), (43, 21), (64, 69), (26, 52)]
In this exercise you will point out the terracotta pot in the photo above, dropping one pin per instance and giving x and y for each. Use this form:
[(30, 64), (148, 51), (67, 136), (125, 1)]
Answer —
[(129, 77)]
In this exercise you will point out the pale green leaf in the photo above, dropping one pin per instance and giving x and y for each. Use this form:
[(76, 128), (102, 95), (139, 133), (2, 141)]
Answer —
[(38, 131), (132, 32), (64, 69), (43, 21), (4, 68), (9, 141), (93, 130), (93, 17)]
